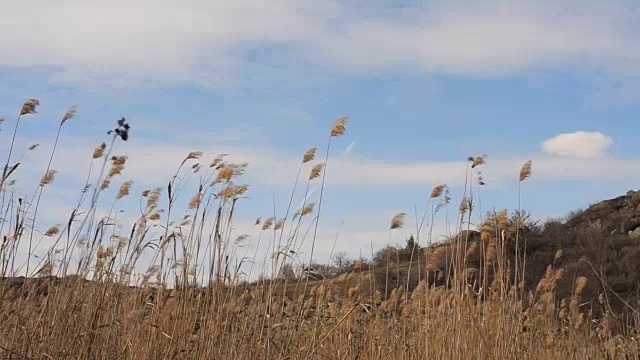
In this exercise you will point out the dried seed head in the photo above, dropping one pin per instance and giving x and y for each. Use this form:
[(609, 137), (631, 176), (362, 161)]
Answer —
[(480, 179), (32, 147), (397, 221), (446, 199), (217, 160), (279, 224), (226, 171), (437, 191), (99, 151), (307, 209), (240, 190), (502, 219), (120, 241), (104, 252), (119, 160), (525, 170), (477, 161), (241, 238), (225, 174), (52, 231), (267, 223), (70, 114), (339, 126), (581, 283), (228, 192), (105, 184), (464, 205), (48, 177), (315, 171), (29, 107), (194, 155), (115, 170), (195, 201), (309, 155), (491, 252), (152, 200), (124, 189), (154, 216), (145, 193), (186, 220)]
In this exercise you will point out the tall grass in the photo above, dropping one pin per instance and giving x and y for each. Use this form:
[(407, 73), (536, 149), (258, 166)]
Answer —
[(170, 285)]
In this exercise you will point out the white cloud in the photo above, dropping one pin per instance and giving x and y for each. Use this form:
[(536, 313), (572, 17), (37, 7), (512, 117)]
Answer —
[(151, 164), (211, 42), (580, 144)]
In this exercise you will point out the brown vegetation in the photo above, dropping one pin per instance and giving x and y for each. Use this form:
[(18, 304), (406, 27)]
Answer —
[(513, 288)]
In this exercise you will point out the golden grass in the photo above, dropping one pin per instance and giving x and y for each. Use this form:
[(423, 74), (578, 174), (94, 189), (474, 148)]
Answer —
[(456, 300)]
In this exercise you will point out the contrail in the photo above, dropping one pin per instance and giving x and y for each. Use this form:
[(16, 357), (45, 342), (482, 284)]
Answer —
[(388, 104), (305, 199), (348, 149)]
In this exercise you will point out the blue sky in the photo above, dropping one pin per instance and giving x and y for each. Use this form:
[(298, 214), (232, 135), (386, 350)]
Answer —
[(425, 85)]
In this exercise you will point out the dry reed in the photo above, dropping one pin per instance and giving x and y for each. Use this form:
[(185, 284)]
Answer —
[(460, 302)]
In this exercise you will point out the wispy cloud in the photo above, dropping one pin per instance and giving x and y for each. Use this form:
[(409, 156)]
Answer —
[(151, 162), (212, 43)]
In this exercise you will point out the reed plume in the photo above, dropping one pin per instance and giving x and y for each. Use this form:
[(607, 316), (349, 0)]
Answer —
[(53, 230), (98, 152), (477, 161), (267, 223), (339, 127), (309, 155), (30, 107), (48, 177), (70, 114), (437, 191), (397, 221), (315, 171), (195, 201), (124, 189), (194, 155), (525, 171), (307, 209), (279, 224)]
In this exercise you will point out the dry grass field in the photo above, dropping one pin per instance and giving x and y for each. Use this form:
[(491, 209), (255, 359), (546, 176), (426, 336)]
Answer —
[(507, 288)]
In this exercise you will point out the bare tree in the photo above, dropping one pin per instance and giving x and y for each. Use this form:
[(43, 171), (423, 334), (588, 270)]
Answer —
[(341, 262)]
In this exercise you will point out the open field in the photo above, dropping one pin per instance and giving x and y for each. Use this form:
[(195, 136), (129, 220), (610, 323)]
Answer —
[(173, 285)]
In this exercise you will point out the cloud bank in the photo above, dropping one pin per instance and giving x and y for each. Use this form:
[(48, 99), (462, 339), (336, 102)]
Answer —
[(215, 43)]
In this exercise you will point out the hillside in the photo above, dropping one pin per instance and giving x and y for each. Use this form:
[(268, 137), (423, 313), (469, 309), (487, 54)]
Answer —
[(600, 244)]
